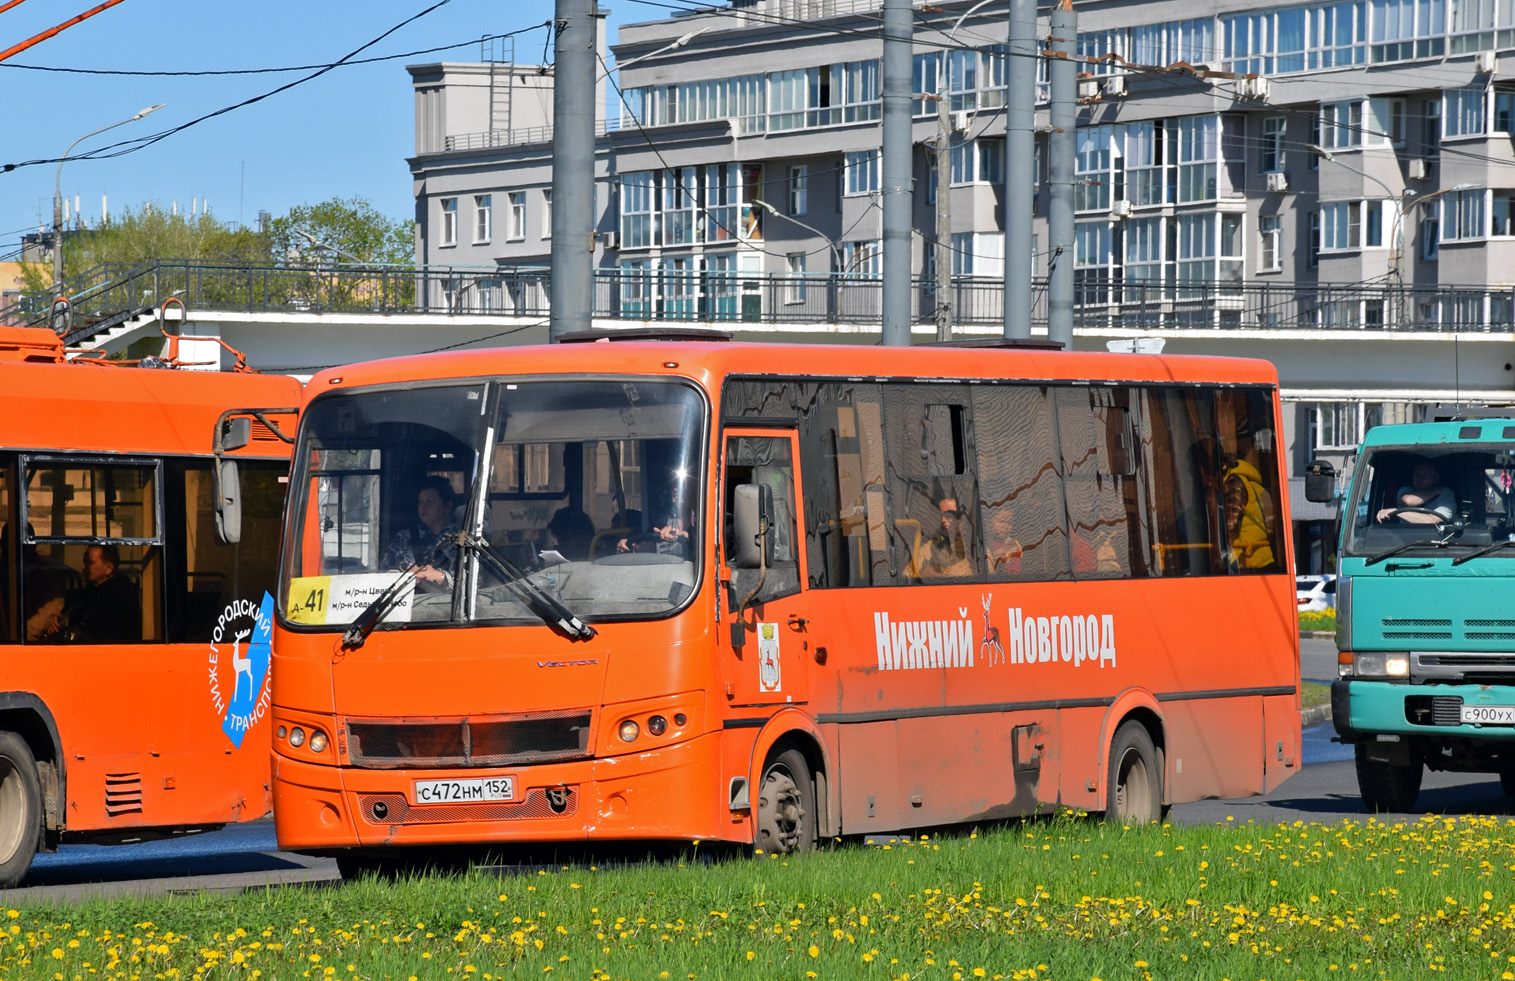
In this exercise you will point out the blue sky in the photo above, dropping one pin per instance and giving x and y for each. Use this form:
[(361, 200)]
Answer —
[(345, 133)]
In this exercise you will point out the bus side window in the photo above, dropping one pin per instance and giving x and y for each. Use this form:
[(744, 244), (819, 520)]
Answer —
[(1019, 488), (1103, 518), (1250, 481)]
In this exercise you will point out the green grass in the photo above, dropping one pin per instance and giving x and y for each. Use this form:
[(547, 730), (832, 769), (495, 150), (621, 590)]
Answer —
[(1312, 694), (1068, 898), (1318, 620)]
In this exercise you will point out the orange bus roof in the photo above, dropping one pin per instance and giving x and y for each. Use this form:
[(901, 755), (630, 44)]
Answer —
[(711, 360), (106, 409)]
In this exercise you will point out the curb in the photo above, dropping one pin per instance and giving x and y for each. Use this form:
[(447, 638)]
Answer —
[(1314, 715), (1318, 634)]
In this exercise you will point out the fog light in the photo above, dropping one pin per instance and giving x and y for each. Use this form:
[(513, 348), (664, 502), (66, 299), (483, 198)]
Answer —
[(282, 732), (679, 720), (297, 736), (318, 741), (657, 725), (380, 809), (629, 731)]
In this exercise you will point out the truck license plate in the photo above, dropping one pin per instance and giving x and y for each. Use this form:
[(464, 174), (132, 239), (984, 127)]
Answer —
[(469, 791), (1489, 715)]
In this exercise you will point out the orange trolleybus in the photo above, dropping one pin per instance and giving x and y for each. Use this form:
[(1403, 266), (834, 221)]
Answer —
[(666, 588), (134, 640)]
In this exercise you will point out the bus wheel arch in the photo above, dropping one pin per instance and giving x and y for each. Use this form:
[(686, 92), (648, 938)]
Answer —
[(26, 715), (790, 751), (1134, 763)]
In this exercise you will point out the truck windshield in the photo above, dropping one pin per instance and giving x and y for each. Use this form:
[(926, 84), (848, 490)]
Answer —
[(588, 490), (1449, 499)]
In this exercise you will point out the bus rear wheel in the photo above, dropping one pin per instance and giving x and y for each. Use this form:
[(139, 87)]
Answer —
[(20, 808), (1134, 790), (1387, 787), (786, 805)]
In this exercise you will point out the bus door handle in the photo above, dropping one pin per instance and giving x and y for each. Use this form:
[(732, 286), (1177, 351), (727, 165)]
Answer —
[(797, 622)]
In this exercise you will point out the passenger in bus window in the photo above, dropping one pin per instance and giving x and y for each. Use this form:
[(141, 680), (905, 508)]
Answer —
[(107, 610), (1250, 516), (947, 554), (573, 532), (1424, 491), (425, 541)]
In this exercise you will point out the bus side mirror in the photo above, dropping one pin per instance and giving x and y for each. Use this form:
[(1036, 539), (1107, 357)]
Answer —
[(228, 491), (235, 433), (1320, 482), (752, 519)]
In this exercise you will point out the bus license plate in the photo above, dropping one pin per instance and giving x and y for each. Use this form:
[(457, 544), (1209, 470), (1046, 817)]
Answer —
[(472, 790), (1489, 715)]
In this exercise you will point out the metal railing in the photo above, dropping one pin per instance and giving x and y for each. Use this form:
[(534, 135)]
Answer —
[(105, 292)]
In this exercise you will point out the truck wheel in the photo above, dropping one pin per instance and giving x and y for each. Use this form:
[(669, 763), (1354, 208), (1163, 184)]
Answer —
[(1386, 786), (786, 805), (1134, 783), (20, 808)]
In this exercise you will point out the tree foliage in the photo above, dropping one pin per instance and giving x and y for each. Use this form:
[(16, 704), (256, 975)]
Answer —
[(341, 230)]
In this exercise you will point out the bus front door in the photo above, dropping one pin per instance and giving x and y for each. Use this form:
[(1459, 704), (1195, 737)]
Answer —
[(769, 659)]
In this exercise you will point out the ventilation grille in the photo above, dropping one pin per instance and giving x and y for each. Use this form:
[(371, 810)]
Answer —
[(1446, 710), (123, 794), (1395, 628), (513, 740), (262, 433), (400, 811)]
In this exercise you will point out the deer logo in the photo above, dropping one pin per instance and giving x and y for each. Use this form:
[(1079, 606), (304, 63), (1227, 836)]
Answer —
[(990, 649), (242, 665)]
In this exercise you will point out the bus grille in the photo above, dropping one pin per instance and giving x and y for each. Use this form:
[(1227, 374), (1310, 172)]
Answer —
[(510, 740), (398, 810)]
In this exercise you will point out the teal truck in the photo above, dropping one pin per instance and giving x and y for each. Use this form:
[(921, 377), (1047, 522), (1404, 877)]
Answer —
[(1425, 605)]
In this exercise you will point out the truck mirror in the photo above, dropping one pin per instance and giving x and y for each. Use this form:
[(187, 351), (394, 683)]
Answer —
[(1320, 482), (235, 433)]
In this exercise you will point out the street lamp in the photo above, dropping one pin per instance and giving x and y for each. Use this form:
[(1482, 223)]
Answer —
[(58, 191), (334, 250), (836, 254)]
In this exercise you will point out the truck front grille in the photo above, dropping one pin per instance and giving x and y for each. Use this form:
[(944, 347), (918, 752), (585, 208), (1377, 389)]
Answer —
[(509, 740)]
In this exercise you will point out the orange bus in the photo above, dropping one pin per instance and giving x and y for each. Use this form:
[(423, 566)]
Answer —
[(134, 640), (664, 588)]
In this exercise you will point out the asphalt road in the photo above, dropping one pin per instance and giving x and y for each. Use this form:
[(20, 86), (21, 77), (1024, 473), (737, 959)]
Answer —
[(247, 856)]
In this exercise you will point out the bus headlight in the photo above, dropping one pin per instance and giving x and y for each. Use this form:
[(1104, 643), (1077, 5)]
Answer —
[(297, 737), (629, 731), (318, 741), (1381, 664)]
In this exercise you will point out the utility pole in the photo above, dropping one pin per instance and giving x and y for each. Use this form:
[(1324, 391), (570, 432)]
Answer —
[(1062, 147), (1020, 166), (943, 217), (571, 292), (897, 172)]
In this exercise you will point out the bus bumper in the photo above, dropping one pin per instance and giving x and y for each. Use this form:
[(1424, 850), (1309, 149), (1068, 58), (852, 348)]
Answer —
[(1361, 710), (672, 794)]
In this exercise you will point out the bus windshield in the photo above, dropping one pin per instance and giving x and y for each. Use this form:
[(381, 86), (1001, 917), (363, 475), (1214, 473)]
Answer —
[(490, 494), (1433, 497)]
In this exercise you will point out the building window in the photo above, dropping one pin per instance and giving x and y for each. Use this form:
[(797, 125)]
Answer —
[(862, 172), (1271, 232), (449, 221), (794, 285), (547, 213), (799, 190), (680, 202), (1092, 175), (1462, 216), (1271, 154), (1340, 125), (517, 201), (723, 185), (1312, 241), (863, 259), (636, 210), (1144, 251), (978, 162), (1145, 183), (1502, 213), (1405, 29), (1198, 158), (481, 218), (1463, 112), (1430, 234), (1352, 225)]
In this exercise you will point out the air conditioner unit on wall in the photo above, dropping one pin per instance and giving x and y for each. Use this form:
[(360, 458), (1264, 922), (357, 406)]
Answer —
[(1419, 169), (1484, 62), (1115, 85), (1122, 209), (1252, 87), (1088, 88), (609, 240), (1278, 182)]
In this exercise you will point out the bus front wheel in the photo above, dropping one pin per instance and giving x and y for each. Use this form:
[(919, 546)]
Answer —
[(1387, 786), (20, 808), (786, 805), (1134, 788)]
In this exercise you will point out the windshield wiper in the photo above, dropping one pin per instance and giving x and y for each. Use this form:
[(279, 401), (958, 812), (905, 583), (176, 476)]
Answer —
[(358, 631), (541, 603), (1486, 550), (1425, 543)]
